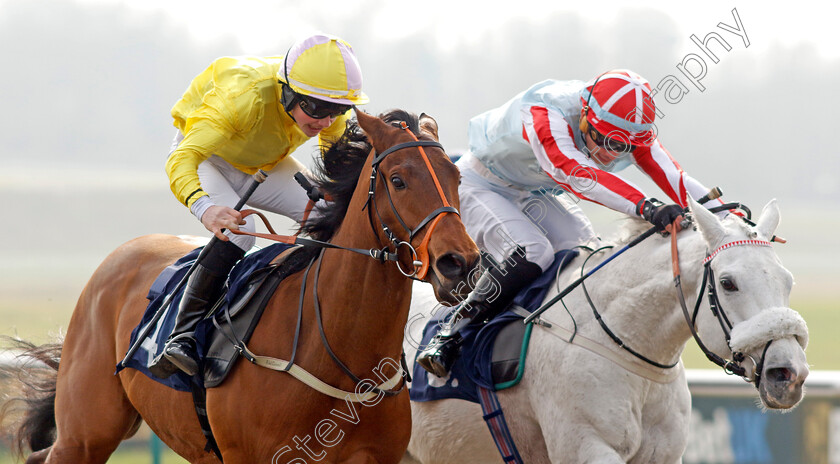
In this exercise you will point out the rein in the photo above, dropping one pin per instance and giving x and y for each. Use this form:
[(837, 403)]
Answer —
[(369, 390), (615, 337), (379, 255), (730, 367)]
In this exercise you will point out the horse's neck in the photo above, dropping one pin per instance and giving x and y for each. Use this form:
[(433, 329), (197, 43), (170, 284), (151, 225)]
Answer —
[(636, 297), (368, 299)]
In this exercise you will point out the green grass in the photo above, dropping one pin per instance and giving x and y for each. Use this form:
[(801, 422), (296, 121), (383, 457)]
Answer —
[(131, 453)]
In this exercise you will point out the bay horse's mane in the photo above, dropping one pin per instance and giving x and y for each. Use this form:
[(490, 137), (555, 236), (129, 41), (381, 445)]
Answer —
[(337, 172)]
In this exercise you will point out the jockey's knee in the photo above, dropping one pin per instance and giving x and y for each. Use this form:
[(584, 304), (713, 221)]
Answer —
[(246, 242), (542, 256)]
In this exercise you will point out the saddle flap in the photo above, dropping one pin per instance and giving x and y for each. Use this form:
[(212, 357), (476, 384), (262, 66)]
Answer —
[(508, 354), (236, 322), (251, 288)]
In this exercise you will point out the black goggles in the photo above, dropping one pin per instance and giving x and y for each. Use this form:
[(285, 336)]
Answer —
[(610, 143), (319, 109)]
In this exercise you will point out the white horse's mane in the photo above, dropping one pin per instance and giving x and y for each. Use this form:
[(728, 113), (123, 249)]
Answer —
[(629, 229)]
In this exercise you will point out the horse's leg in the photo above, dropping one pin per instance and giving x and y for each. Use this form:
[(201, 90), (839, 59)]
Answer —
[(524, 427), (591, 416), (450, 431), (665, 418), (409, 459), (93, 414)]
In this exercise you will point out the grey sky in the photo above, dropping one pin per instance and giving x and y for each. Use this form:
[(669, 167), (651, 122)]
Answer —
[(86, 89)]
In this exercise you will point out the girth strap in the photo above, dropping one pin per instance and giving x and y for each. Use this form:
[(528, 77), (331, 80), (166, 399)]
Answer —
[(494, 417), (303, 375), (309, 379)]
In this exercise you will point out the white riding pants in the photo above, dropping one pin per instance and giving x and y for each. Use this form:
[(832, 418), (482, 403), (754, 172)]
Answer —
[(225, 185), (500, 217)]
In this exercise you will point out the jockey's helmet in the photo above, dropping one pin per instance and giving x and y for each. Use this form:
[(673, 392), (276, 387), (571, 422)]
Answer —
[(325, 68), (618, 104)]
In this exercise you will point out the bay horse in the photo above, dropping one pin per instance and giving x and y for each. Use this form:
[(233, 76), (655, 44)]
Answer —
[(264, 416), (593, 401)]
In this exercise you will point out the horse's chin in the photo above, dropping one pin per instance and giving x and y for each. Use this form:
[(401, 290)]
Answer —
[(445, 292), (781, 388), (444, 295)]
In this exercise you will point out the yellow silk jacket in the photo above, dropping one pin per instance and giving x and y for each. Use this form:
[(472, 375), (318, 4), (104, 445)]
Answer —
[(233, 110)]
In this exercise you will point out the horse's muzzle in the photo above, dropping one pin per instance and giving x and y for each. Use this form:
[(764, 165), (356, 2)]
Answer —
[(451, 275), (783, 376)]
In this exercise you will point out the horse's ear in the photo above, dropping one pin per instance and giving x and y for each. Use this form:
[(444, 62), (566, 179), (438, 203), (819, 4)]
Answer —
[(428, 124), (769, 220), (708, 224), (374, 128)]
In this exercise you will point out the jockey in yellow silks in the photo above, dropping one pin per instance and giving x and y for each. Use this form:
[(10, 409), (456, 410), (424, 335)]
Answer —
[(239, 115)]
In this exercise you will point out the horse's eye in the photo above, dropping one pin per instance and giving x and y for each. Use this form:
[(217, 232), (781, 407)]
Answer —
[(728, 284), (398, 182)]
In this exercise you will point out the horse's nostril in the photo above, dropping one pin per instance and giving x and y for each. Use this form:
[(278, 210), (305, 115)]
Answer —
[(780, 374), (452, 265)]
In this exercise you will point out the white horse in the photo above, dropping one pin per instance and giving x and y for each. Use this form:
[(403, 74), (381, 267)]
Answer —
[(592, 401)]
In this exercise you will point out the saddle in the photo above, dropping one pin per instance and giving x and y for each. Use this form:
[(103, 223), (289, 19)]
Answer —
[(231, 321), (493, 354), (235, 322)]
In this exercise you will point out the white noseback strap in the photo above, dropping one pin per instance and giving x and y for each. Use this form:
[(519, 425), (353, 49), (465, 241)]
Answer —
[(769, 324)]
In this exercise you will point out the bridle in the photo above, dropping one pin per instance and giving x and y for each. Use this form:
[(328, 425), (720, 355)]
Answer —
[(733, 366), (420, 254)]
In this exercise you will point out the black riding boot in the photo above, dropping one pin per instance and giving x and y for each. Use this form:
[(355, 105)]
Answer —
[(492, 294), (204, 288)]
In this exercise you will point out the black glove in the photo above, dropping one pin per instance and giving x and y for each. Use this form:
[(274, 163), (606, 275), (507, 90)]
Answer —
[(659, 214)]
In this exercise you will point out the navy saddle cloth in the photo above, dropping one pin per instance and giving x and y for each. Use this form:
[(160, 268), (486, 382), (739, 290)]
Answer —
[(477, 365), (164, 285)]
